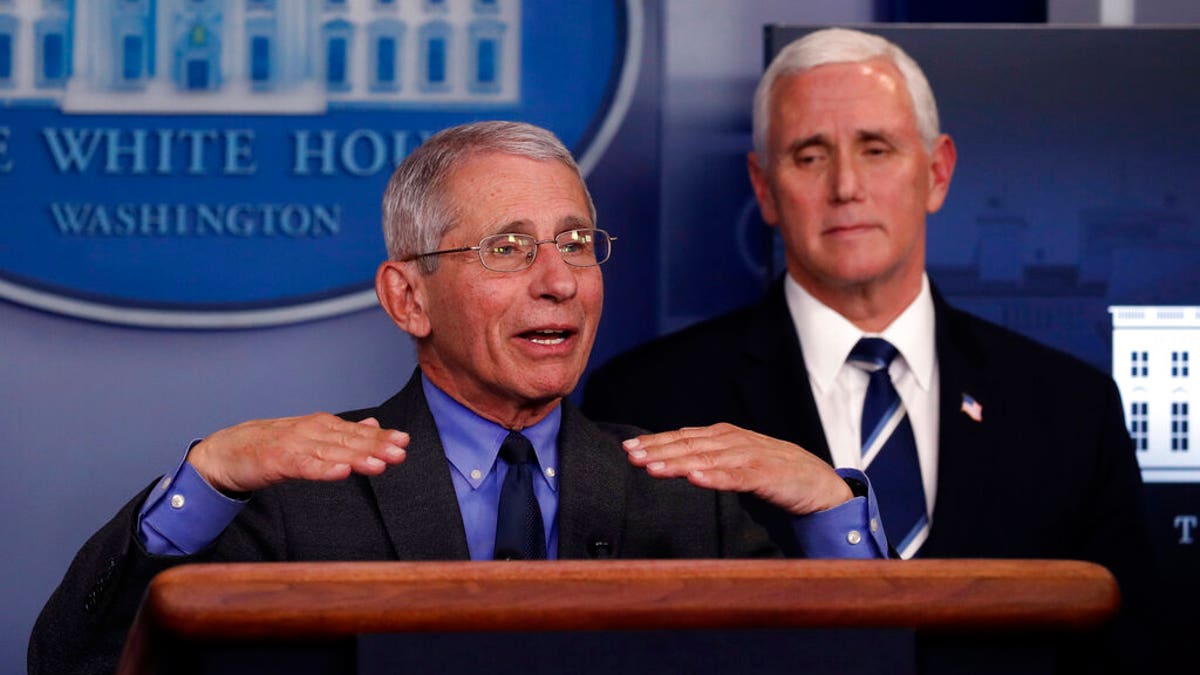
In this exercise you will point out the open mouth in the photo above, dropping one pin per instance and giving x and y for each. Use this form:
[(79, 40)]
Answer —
[(547, 336)]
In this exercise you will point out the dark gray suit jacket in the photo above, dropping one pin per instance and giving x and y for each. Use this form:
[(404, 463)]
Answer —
[(607, 509), (1050, 472)]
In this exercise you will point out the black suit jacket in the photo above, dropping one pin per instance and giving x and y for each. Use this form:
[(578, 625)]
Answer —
[(607, 508), (1050, 472)]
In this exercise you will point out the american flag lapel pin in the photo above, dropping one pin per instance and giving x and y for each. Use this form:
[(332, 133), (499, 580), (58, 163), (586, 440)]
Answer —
[(972, 408)]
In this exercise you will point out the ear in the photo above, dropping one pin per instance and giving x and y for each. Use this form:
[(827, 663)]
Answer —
[(401, 290), (762, 189), (941, 170)]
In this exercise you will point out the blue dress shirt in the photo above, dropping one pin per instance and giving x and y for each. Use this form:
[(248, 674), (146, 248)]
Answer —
[(183, 513), (472, 445)]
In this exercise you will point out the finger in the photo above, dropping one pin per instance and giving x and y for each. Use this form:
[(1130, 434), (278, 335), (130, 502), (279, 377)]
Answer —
[(720, 430), (368, 465), (327, 448), (667, 437), (393, 436), (725, 459), (311, 468), (352, 442), (718, 479), (367, 456), (642, 453)]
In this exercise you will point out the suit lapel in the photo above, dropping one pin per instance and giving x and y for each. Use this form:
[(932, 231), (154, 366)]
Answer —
[(416, 499), (964, 445), (773, 386), (591, 493)]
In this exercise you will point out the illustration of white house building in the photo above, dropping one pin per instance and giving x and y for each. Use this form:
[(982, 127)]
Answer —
[(1152, 351), (271, 56)]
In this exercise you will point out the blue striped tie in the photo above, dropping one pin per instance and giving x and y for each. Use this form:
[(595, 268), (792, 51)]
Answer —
[(889, 450)]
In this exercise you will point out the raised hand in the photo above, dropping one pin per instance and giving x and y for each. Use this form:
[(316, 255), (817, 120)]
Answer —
[(320, 446), (726, 457)]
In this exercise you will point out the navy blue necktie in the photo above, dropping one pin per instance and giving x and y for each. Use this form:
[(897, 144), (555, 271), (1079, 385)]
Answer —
[(890, 450), (519, 531)]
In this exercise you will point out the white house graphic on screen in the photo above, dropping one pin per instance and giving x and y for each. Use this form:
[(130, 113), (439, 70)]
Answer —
[(1153, 352), (271, 56)]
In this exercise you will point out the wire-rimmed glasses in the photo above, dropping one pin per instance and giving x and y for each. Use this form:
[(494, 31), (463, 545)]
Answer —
[(513, 251)]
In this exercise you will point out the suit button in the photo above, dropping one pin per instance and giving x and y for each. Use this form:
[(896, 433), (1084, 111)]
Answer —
[(600, 549)]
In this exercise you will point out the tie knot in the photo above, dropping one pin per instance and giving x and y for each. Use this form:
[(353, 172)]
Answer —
[(517, 449), (872, 353)]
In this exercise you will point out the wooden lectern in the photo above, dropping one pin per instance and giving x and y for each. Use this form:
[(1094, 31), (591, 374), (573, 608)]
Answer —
[(241, 609)]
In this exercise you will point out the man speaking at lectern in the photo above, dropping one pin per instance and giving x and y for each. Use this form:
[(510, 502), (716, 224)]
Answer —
[(493, 269)]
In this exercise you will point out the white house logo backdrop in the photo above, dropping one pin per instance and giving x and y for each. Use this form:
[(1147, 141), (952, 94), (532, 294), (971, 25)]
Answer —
[(220, 163)]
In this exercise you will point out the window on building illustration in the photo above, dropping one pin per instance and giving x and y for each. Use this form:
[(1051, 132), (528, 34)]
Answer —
[(487, 6), (260, 59), (197, 74), (385, 60), (1140, 364), (337, 61), (338, 68), (436, 70), (54, 59), (386, 40), (435, 54), (5, 57), (260, 52), (485, 63), (435, 5), (335, 4), (485, 74), (1179, 364), (131, 57), (1139, 425), (260, 4), (1179, 426)]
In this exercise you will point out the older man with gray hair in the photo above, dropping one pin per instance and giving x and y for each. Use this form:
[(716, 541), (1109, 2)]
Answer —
[(493, 269)]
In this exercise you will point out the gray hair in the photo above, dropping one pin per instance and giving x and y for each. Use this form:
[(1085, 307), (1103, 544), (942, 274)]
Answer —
[(842, 45), (415, 213)]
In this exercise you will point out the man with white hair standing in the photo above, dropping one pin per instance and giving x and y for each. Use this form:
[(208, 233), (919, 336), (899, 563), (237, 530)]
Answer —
[(978, 441)]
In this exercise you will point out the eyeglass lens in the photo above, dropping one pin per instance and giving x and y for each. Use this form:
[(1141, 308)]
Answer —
[(511, 252)]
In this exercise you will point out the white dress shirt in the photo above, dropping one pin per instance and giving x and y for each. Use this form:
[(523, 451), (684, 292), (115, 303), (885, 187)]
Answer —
[(826, 339)]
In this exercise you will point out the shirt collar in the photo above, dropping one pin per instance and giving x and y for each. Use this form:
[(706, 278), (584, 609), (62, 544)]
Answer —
[(472, 443), (827, 337)]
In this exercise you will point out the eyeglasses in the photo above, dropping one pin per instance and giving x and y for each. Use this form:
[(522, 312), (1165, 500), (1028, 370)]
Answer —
[(512, 252)]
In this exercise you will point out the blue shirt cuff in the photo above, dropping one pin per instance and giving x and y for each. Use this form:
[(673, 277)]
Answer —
[(183, 513), (849, 530)]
